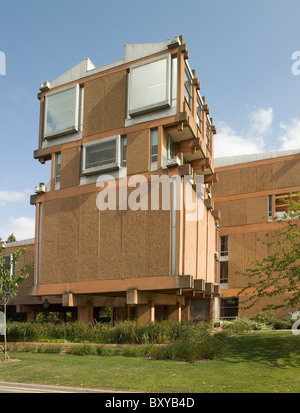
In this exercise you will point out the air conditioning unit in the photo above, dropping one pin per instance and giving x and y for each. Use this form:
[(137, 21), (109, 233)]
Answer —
[(173, 162), (40, 189)]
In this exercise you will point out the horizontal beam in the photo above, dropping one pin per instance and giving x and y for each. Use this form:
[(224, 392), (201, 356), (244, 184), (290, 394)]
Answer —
[(78, 300), (110, 286), (135, 297)]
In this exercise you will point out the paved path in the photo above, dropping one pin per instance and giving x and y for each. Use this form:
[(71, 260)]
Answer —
[(6, 387)]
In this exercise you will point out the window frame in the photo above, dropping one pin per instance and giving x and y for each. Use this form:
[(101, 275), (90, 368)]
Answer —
[(208, 137), (57, 175), (188, 77), (69, 129), (154, 106), (11, 264), (199, 112), (153, 163), (102, 168)]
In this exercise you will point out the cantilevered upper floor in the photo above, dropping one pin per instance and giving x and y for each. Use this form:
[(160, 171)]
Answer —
[(93, 109)]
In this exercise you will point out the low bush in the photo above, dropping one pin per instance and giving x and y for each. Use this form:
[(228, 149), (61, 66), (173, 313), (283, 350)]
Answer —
[(82, 350), (49, 349)]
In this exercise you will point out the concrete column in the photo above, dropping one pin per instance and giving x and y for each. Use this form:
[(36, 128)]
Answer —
[(85, 313), (174, 312), (146, 312), (31, 316), (212, 310)]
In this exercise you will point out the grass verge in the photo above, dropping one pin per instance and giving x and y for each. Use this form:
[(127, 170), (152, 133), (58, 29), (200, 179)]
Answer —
[(252, 362)]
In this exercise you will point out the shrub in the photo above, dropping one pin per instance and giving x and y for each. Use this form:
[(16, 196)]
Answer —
[(241, 325), (49, 349), (79, 350)]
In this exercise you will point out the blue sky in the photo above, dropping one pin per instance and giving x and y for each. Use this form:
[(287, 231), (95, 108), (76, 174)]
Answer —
[(241, 50)]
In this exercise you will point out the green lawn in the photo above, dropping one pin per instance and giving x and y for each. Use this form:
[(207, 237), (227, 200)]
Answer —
[(252, 362)]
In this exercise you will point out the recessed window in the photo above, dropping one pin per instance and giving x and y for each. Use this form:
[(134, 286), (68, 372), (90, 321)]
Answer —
[(281, 204), (224, 246), (154, 145), (229, 307), (61, 112), (270, 207), (57, 170), (150, 86), (123, 150), (224, 261), (103, 155), (170, 149)]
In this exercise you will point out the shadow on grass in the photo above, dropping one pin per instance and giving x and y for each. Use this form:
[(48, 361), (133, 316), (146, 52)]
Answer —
[(277, 349)]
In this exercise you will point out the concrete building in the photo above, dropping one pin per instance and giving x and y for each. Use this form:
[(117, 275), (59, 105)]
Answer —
[(126, 124), (249, 193), (135, 216)]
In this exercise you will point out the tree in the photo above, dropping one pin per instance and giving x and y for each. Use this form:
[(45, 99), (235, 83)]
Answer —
[(11, 238), (10, 278), (278, 274)]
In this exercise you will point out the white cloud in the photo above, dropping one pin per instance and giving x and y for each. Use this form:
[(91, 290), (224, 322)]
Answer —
[(13, 196), (291, 137), (261, 121), (229, 142), (22, 227)]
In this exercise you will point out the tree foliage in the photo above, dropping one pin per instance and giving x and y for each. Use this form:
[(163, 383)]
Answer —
[(11, 238), (10, 278), (278, 274)]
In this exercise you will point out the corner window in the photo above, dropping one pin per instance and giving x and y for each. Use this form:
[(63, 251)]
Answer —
[(62, 114), (150, 86), (199, 112), (208, 141), (103, 155), (188, 86)]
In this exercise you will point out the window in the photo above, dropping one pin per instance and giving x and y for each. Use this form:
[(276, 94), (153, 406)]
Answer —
[(123, 151), (223, 272), (154, 145), (224, 246), (199, 112), (150, 86), (62, 113), (103, 155), (188, 86), (57, 170), (280, 203), (270, 207), (229, 307), (170, 148), (208, 142), (224, 261), (8, 264)]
